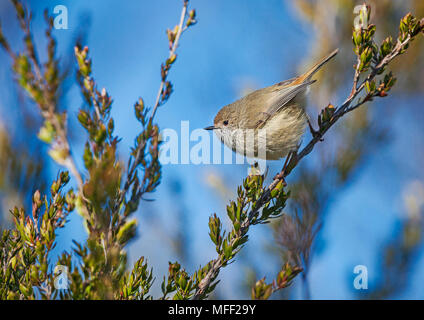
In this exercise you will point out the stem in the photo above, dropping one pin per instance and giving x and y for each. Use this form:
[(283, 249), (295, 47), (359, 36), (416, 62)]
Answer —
[(141, 147), (171, 53)]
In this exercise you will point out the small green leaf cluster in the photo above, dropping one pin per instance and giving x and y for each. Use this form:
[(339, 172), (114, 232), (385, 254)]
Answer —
[(369, 53), (25, 271), (178, 282), (325, 117), (248, 209), (364, 46), (262, 291), (376, 57)]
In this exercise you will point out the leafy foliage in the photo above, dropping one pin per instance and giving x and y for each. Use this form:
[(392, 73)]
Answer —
[(108, 194), (101, 268)]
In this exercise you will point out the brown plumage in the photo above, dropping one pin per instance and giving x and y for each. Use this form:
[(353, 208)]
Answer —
[(272, 118)]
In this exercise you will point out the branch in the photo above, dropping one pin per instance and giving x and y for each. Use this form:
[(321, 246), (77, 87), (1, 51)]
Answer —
[(172, 53), (164, 91), (41, 84), (365, 52)]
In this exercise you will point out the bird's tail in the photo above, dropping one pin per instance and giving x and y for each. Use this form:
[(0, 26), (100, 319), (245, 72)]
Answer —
[(307, 76)]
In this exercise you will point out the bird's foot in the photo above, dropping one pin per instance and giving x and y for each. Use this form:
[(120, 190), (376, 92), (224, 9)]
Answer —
[(280, 176), (316, 134)]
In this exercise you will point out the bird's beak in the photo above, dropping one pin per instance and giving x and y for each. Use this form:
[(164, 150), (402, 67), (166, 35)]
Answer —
[(209, 128)]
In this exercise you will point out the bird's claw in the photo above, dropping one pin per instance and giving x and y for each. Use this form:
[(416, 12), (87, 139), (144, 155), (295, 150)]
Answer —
[(316, 134), (280, 176)]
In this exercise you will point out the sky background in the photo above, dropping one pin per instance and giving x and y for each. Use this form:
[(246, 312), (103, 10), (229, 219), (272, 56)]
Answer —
[(235, 44)]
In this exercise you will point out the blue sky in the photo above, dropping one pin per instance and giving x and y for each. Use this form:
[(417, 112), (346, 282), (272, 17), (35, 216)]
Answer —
[(235, 43)]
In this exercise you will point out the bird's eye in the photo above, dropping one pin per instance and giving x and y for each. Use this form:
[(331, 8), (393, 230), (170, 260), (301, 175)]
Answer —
[(225, 122)]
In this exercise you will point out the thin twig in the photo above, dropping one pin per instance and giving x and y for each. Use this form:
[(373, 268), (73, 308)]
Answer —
[(171, 53), (141, 147)]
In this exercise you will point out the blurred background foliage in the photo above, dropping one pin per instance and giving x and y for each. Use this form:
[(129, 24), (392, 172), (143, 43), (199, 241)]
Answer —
[(355, 147)]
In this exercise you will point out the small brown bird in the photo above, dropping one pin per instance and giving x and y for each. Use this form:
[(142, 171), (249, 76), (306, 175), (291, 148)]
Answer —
[(275, 115)]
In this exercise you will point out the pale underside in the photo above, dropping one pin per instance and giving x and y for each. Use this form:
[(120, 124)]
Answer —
[(267, 128)]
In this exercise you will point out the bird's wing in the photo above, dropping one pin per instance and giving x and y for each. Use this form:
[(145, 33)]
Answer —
[(279, 95)]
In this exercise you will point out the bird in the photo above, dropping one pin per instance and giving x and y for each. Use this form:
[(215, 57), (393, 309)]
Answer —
[(268, 123)]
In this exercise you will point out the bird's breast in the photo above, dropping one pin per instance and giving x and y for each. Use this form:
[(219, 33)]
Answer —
[(279, 135)]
